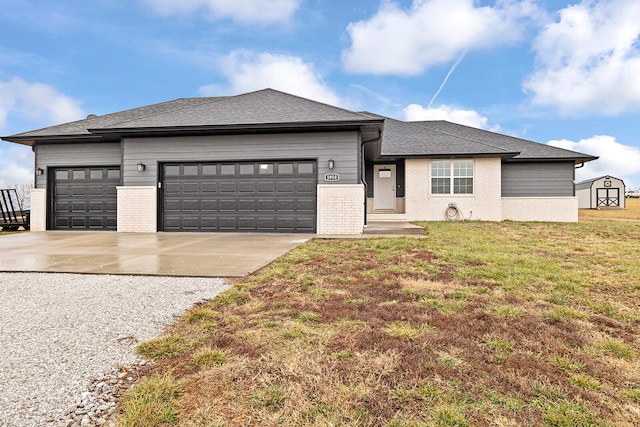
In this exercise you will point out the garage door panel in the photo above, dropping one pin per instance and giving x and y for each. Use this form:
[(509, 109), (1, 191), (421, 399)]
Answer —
[(266, 223), (247, 187), (247, 223), (227, 187), (209, 187), (286, 205), (191, 205), (191, 187), (241, 196), (209, 206), (287, 187), (305, 224), (85, 198), (228, 205), (172, 205), (266, 187), (172, 188), (306, 205), (247, 205), (267, 205), (305, 187)]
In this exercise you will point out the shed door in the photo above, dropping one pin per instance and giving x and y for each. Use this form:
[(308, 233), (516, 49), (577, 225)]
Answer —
[(269, 196), (84, 198), (608, 197)]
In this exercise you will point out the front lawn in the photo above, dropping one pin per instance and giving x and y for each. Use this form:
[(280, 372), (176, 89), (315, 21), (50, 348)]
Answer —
[(477, 324)]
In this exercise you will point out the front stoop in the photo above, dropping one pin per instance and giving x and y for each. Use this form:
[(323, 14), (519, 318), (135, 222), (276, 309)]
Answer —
[(393, 227)]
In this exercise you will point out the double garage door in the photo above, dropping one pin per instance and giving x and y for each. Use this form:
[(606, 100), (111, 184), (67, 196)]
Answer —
[(270, 196)]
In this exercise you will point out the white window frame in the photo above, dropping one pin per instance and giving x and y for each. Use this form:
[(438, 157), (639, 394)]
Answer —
[(451, 177)]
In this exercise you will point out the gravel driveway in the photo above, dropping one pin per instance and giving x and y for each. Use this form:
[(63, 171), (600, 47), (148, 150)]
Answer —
[(60, 331)]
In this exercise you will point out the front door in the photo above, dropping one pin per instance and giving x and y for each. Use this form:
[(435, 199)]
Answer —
[(384, 187)]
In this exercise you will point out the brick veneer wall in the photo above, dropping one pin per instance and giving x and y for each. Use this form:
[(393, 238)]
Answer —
[(137, 209), (38, 215), (484, 204), (556, 209), (340, 209)]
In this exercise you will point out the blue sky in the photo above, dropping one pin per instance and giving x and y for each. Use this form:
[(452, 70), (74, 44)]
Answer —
[(553, 71)]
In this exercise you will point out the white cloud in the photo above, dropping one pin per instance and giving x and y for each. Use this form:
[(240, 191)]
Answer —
[(245, 11), (248, 71), (589, 60), (616, 159), (16, 165), (415, 112), (431, 32), (36, 102)]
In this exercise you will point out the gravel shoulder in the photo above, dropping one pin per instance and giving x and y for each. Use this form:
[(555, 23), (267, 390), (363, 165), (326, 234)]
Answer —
[(60, 331)]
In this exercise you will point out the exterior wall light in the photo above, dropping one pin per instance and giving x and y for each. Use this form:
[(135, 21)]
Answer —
[(39, 171), (332, 164), (141, 167)]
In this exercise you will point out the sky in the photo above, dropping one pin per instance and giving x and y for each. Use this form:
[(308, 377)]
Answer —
[(551, 71)]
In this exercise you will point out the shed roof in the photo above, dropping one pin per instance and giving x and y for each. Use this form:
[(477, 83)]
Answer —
[(587, 183)]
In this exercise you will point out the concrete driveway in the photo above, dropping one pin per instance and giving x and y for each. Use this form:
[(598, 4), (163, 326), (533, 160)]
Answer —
[(163, 254)]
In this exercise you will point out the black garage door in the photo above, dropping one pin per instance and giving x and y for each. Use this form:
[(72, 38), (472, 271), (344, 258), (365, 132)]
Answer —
[(271, 196), (84, 198)]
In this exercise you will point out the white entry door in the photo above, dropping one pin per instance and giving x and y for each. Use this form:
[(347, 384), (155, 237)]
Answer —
[(384, 187)]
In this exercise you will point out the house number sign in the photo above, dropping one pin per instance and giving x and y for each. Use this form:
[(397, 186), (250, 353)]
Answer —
[(332, 177)]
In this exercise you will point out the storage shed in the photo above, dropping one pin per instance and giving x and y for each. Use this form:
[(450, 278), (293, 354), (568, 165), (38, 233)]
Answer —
[(603, 192)]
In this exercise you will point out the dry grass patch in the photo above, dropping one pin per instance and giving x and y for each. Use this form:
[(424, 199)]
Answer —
[(477, 324)]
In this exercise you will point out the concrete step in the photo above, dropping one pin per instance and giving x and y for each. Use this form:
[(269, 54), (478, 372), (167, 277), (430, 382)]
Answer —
[(393, 227)]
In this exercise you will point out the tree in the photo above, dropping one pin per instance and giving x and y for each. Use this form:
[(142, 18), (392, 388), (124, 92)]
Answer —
[(23, 192)]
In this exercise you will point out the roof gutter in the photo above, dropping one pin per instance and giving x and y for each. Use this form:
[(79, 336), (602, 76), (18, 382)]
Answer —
[(234, 127)]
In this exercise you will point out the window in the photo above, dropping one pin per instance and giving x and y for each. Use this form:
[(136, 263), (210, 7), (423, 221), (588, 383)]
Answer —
[(452, 176)]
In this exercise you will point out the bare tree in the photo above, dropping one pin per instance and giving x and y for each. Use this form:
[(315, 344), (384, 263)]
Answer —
[(23, 192)]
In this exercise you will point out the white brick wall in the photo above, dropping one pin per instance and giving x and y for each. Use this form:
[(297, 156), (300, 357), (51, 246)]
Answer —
[(556, 209), (485, 204), (340, 209), (38, 214), (137, 210)]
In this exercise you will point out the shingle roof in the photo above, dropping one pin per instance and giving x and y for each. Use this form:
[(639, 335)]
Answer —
[(412, 139), (529, 150), (269, 108), (266, 106), (80, 127)]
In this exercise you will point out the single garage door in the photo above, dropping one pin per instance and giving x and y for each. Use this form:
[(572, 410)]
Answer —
[(85, 198), (270, 196)]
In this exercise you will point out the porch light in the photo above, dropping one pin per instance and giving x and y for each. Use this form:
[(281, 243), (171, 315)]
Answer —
[(332, 164), (39, 171), (141, 167)]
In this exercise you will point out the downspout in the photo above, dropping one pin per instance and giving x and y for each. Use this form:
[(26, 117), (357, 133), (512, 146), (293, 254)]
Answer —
[(574, 180), (363, 176)]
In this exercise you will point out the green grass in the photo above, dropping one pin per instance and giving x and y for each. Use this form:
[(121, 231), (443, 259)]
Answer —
[(162, 348), (151, 402), (477, 324)]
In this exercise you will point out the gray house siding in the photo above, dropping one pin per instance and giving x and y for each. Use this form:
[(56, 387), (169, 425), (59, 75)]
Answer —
[(62, 155), (538, 179), (342, 147)]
